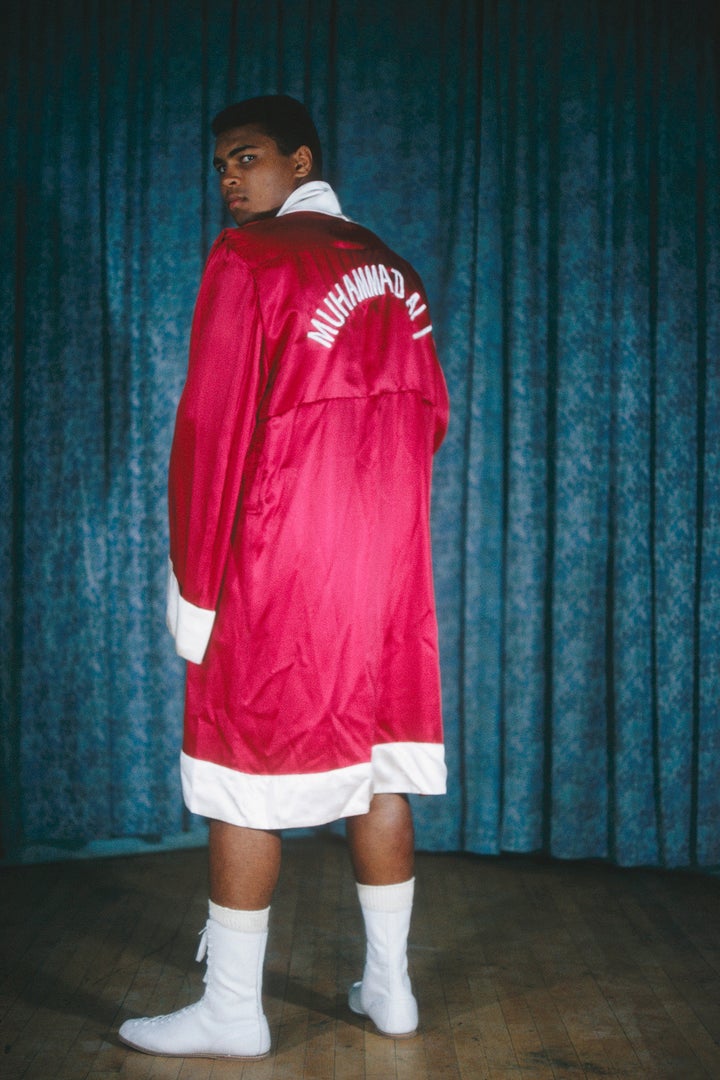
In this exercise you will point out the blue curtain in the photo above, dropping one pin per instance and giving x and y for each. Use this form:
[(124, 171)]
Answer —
[(552, 170)]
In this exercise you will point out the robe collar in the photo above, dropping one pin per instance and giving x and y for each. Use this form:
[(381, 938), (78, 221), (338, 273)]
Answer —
[(316, 196)]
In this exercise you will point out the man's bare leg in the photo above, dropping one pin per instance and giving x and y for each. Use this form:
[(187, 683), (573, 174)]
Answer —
[(244, 866), (382, 852), (228, 1021), (382, 842), (245, 863)]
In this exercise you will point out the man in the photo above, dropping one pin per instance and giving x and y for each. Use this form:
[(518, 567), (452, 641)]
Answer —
[(300, 578)]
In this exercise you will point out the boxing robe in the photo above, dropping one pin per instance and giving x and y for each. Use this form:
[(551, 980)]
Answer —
[(300, 586)]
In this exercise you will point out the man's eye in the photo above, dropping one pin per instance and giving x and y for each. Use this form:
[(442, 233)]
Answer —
[(246, 158), (220, 169)]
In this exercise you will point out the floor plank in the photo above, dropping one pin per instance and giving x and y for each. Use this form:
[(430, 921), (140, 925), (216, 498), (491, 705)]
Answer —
[(523, 967)]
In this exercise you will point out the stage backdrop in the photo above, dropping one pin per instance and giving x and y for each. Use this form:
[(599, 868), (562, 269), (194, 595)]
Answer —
[(552, 170)]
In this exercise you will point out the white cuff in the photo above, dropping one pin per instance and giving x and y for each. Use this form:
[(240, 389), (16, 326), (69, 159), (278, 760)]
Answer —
[(191, 626), (387, 897), (250, 922)]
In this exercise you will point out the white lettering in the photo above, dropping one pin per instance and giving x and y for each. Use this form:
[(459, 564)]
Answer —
[(360, 284), (323, 334), (385, 278), (412, 305), (329, 302), (399, 289), (340, 300), (373, 280), (352, 290), (422, 333)]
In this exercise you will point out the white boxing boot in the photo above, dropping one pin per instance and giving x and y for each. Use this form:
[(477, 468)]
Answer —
[(385, 994), (228, 1021)]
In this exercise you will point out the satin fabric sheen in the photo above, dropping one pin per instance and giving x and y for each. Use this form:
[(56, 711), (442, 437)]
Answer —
[(299, 498)]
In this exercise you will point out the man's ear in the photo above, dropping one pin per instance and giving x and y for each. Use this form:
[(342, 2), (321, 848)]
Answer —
[(303, 160)]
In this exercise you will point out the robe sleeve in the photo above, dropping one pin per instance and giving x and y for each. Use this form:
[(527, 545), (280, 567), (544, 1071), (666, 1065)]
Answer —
[(214, 424)]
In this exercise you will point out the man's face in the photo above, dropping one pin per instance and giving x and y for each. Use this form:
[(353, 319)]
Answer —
[(255, 177)]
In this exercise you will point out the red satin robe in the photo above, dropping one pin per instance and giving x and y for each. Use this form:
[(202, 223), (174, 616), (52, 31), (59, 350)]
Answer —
[(299, 491)]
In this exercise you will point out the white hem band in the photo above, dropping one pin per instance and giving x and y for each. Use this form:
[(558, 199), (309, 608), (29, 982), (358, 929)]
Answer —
[(302, 800)]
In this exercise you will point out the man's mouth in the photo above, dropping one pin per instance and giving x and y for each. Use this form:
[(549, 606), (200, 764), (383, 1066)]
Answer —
[(233, 200)]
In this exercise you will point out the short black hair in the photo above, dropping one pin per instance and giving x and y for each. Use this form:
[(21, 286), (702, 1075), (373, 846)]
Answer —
[(284, 119)]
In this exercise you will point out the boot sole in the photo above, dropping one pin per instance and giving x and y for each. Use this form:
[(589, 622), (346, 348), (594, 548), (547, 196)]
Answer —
[(390, 1034), (200, 1054), (379, 1031)]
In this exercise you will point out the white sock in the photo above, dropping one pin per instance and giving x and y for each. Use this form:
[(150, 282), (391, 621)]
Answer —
[(252, 922), (387, 897)]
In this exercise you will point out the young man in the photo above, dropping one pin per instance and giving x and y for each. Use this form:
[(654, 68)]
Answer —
[(300, 577)]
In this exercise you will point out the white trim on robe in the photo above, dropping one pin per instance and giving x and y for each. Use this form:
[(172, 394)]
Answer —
[(301, 800), (191, 626), (316, 196)]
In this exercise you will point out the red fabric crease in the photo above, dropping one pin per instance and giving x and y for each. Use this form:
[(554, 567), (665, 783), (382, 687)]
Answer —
[(299, 506)]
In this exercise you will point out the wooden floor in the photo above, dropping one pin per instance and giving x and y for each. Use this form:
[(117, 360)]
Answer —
[(522, 968)]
